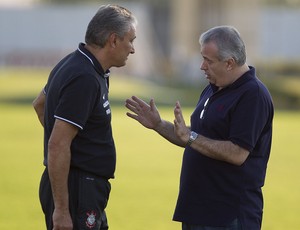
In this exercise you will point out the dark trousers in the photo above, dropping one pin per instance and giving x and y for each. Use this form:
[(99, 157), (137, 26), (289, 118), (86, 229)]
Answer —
[(88, 197), (235, 225)]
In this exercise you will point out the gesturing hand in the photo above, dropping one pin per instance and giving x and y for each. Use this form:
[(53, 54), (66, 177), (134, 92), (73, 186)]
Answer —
[(180, 128), (146, 114)]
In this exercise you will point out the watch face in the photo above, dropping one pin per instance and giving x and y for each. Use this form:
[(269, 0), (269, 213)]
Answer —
[(193, 135)]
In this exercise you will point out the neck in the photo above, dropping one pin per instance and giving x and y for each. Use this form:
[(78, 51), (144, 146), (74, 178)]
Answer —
[(236, 74), (243, 69), (98, 53)]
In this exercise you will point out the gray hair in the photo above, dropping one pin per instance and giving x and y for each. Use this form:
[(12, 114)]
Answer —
[(109, 19), (228, 41)]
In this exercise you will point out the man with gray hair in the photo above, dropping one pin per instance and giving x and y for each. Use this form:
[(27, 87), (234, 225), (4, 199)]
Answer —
[(73, 107), (227, 145)]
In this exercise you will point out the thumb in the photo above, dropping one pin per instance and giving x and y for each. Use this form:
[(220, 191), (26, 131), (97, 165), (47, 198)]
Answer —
[(177, 109), (152, 104)]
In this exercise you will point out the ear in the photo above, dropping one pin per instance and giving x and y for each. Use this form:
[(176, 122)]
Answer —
[(230, 64), (113, 40)]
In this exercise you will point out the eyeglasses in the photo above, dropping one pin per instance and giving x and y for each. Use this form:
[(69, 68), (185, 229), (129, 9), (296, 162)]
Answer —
[(203, 110)]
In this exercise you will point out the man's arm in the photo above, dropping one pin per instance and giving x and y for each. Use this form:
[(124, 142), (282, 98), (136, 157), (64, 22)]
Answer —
[(59, 157), (39, 105), (218, 150), (166, 130), (149, 117), (221, 150)]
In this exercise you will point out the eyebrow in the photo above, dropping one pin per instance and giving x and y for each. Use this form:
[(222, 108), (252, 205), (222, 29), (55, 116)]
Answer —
[(206, 58)]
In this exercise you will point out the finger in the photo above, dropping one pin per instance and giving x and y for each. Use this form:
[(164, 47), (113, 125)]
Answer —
[(178, 104), (130, 107), (133, 116), (139, 101), (178, 117), (133, 105), (131, 102), (152, 104), (177, 112), (175, 123)]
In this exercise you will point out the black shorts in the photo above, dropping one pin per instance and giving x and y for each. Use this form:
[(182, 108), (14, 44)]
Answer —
[(88, 197)]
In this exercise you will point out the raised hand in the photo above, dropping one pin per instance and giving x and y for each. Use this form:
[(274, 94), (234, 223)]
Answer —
[(180, 128), (146, 114)]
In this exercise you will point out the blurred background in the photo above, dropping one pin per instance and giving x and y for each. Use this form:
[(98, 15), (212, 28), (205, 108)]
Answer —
[(38, 33)]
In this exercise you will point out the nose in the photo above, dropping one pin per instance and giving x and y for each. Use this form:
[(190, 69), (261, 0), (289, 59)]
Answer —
[(202, 65), (132, 50)]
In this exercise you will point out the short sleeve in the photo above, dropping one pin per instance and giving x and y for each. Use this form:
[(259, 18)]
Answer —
[(77, 100), (249, 119)]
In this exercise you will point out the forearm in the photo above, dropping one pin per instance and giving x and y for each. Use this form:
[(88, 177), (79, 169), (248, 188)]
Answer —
[(220, 150), (166, 130), (59, 158), (58, 167)]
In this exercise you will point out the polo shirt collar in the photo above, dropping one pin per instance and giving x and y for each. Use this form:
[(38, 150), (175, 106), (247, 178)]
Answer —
[(240, 81), (249, 75), (93, 60)]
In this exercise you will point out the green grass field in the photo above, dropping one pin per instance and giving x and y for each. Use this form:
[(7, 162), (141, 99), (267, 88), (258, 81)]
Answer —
[(145, 189)]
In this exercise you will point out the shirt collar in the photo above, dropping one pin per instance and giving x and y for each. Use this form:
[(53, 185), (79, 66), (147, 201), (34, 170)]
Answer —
[(247, 76), (241, 80), (81, 49)]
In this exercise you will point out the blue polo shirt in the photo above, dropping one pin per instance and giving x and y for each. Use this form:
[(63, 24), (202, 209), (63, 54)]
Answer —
[(212, 192), (77, 93)]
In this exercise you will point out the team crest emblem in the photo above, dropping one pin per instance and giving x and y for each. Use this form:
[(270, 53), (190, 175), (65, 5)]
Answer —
[(91, 219)]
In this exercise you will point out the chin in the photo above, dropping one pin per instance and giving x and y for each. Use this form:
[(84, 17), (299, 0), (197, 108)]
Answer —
[(120, 65)]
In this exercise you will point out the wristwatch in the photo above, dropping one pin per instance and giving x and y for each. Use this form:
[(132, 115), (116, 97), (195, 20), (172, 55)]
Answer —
[(193, 136)]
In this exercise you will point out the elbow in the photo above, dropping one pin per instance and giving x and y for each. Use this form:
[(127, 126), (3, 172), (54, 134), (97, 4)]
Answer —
[(237, 162), (36, 105), (39, 102), (240, 158)]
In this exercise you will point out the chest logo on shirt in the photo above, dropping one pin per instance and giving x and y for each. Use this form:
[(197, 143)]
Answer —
[(220, 108), (106, 104)]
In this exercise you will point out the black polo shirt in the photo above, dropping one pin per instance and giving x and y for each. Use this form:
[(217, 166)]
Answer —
[(213, 192), (77, 93)]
